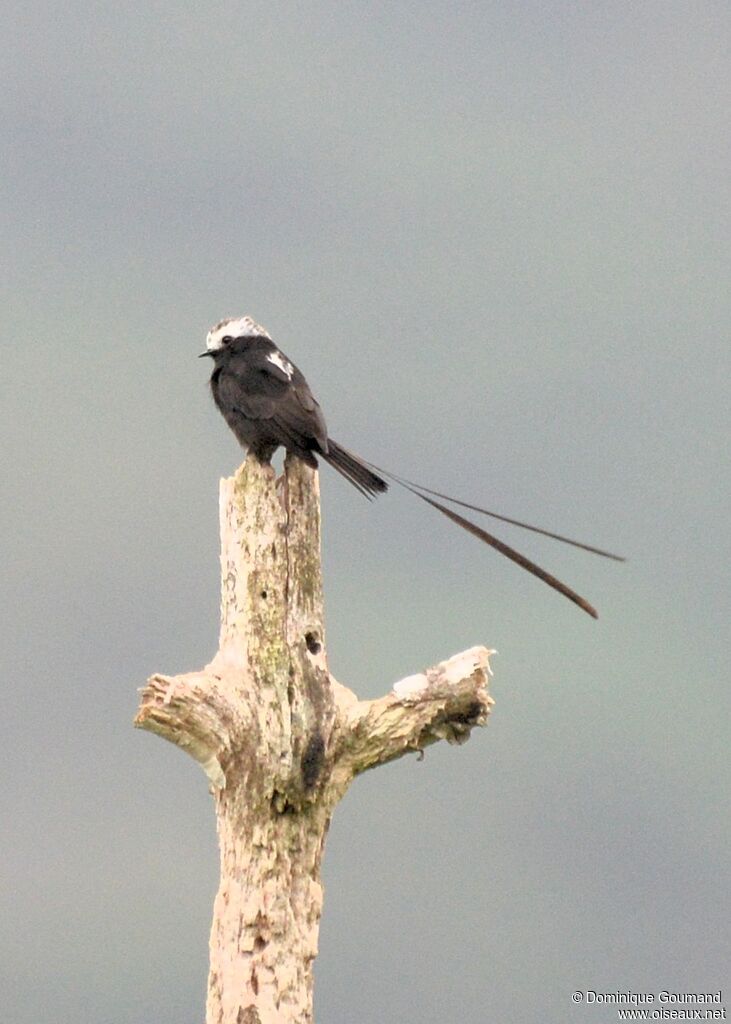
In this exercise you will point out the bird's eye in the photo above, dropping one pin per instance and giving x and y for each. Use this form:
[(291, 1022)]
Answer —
[(227, 340)]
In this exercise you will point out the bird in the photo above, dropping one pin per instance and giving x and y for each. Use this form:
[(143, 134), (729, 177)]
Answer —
[(267, 402)]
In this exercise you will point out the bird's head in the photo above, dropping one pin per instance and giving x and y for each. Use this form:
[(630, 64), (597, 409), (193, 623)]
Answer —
[(221, 336)]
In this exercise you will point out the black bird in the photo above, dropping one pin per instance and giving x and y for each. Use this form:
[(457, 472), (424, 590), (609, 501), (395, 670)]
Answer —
[(267, 403)]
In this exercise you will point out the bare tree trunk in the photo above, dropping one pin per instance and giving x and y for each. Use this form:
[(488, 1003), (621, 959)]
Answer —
[(281, 740)]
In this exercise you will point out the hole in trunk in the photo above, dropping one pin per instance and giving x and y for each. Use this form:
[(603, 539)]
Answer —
[(313, 644)]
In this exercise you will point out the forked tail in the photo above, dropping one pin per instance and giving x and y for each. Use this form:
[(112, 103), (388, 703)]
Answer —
[(363, 476)]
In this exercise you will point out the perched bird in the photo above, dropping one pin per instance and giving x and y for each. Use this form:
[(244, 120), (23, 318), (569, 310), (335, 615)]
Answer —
[(268, 404)]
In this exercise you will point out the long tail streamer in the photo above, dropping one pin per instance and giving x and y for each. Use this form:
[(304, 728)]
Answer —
[(429, 496)]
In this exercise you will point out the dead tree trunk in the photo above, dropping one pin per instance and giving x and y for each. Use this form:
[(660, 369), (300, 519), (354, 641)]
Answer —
[(281, 741)]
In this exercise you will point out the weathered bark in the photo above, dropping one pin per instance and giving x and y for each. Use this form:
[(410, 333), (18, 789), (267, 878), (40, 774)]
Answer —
[(281, 741)]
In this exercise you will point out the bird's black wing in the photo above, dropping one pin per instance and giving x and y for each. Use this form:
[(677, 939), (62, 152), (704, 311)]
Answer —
[(261, 384), (303, 413)]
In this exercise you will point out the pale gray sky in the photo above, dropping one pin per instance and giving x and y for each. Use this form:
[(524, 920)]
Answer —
[(494, 236)]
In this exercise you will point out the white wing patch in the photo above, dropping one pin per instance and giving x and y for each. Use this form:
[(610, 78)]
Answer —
[(284, 364)]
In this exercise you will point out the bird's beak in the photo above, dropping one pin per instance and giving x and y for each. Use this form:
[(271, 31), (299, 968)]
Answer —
[(206, 353)]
